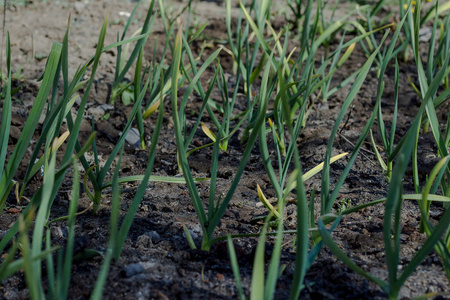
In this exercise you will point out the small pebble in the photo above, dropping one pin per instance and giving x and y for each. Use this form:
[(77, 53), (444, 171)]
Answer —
[(133, 138), (132, 270), (156, 238), (106, 107)]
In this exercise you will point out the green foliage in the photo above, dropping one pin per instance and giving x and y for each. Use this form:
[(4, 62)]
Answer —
[(122, 66)]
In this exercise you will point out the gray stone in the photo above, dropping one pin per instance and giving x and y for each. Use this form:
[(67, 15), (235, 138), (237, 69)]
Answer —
[(133, 138), (132, 270)]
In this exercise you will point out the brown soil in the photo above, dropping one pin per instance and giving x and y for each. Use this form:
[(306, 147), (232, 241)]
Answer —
[(156, 240)]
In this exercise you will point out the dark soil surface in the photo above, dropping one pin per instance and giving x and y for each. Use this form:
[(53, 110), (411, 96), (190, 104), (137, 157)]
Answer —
[(157, 262)]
